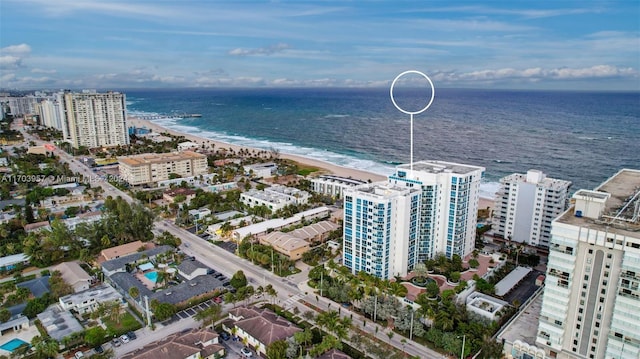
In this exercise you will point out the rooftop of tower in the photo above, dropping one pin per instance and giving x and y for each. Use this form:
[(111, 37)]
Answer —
[(613, 207), (440, 167)]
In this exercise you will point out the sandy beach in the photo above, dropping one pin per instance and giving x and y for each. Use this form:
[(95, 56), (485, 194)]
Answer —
[(325, 167)]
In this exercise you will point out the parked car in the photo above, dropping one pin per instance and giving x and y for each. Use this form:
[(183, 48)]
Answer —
[(124, 339), (79, 355), (224, 335), (246, 352), (116, 342), (99, 349), (132, 335), (218, 300)]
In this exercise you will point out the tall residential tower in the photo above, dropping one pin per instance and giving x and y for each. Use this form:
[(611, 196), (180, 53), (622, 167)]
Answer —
[(526, 204), (448, 207), (591, 301), (380, 229), (423, 210), (95, 119)]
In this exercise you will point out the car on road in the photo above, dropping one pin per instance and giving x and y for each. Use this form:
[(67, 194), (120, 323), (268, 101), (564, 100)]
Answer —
[(124, 339), (246, 352), (132, 335)]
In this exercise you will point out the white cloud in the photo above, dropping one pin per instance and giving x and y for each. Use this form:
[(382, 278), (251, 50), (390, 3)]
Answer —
[(18, 50), (43, 71), (10, 62), (538, 74), (269, 50), (13, 55)]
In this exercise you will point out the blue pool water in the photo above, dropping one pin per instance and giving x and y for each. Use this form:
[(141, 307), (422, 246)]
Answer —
[(152, 276), (12, 344)]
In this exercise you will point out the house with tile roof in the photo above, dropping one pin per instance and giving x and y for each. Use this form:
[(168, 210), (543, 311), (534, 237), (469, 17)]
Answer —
[(195, 343), (259, 327)]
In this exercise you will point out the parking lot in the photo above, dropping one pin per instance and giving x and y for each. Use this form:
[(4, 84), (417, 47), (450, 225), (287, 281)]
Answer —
[(228, 246), (525, 289)]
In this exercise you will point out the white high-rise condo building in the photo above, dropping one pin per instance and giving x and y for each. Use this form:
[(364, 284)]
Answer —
[(591, 300), (448, 207), (95, 119), (526, 204), (380, 229), (423, 210), (49, 112)]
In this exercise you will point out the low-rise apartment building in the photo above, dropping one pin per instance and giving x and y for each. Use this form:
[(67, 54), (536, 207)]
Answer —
[(333, 186), (154, 167), (275, 197)]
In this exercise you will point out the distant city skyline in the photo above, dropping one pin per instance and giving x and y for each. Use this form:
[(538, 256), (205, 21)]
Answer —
[(169, 44)]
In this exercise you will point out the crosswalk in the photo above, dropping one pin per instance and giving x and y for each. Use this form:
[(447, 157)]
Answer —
[(288, 304)]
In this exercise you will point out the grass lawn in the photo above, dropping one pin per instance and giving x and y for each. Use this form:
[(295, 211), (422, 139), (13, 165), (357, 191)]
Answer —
[(127, 323)]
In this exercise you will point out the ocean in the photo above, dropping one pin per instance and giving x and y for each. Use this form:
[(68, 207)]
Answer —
[(583, 137)]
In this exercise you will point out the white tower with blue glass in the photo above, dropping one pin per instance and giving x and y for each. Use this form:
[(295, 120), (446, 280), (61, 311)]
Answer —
[(447, 217), (380, 229)]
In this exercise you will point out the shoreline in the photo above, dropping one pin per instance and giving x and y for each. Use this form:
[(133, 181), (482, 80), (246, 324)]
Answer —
[(323, 166)]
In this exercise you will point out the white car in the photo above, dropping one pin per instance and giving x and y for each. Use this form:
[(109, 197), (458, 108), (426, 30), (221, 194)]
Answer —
[(124, 339), (246, 352)]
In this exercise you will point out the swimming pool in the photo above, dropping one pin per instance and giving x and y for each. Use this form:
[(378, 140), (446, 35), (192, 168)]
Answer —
[(152, 276), (12, 344)]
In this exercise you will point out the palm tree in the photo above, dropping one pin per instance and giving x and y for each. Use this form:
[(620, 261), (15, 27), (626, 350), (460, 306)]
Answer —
[(212, 313), (45, 347), (397, 289), (115, 311), (271, 292)]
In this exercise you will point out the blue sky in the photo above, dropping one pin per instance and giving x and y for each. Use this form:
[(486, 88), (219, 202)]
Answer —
[(170, 43)]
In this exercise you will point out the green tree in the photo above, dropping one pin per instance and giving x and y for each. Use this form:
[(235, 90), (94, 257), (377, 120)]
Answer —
[(59, 288), (5, 315), (474, 263), (134, 292), (37, 305), (44, 347), (455, 277), (115, 311), (162, 311), (210, 314), (239, 280), (95, 336), (277, 350), (432, 289)]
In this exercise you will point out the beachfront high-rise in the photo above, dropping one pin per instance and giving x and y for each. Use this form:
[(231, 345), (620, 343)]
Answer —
[(448, 207), (526, 204), (380, 229), (95, 119), (591, 300), (417, 214)]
